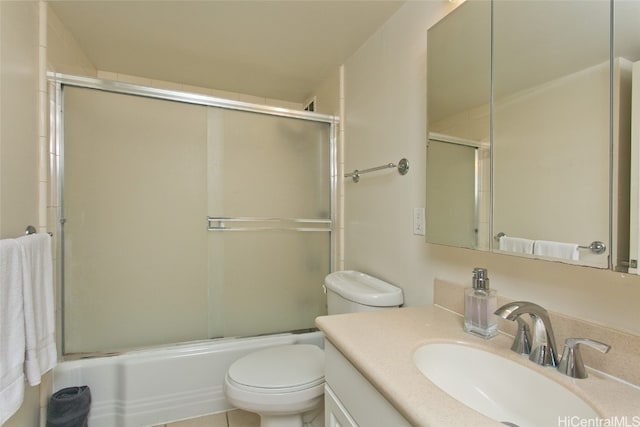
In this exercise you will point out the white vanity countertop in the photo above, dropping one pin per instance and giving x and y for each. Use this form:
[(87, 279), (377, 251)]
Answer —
[(380, 344)]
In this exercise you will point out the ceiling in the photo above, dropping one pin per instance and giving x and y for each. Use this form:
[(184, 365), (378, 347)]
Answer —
[(273, 49)]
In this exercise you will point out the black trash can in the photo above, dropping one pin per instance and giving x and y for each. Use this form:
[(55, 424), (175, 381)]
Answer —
[(69, 407)]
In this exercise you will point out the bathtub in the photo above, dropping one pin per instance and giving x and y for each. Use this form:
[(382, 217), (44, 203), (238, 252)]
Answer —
[(169, 383)]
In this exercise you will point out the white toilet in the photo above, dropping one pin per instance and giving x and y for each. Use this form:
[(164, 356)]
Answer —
[(285, 384)]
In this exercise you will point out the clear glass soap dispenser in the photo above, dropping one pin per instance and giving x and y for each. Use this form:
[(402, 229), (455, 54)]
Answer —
[(480, 303)]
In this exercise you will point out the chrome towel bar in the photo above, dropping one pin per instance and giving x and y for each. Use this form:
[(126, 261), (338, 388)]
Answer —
[(403, 169), (32, 230), (597, 247)]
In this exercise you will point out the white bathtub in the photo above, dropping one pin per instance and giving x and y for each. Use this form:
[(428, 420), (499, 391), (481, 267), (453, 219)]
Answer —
[(156, 386)]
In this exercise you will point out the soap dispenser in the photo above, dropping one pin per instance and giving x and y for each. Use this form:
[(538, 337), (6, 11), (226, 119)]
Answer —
[(480, 303)]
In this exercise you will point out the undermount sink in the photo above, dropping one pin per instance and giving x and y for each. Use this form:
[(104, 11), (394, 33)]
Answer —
[(498, 387)]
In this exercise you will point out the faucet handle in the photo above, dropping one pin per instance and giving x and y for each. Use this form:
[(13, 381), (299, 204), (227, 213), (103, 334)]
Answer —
[(522, 341), (571, 363)]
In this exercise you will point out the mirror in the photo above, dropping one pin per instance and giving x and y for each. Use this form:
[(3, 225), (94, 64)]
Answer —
[(627, 55), (459, 91), (559, 170), (551, 127)]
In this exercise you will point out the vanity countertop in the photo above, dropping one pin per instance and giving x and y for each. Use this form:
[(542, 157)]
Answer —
[(380, 344)]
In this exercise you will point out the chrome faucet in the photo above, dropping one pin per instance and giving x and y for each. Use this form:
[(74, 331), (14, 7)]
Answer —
[(543, 343)]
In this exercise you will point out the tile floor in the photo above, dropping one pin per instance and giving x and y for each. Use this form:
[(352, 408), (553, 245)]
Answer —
[(235, 418)]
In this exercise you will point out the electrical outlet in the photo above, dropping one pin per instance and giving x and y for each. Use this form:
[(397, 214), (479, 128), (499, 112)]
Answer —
[(418, 221)]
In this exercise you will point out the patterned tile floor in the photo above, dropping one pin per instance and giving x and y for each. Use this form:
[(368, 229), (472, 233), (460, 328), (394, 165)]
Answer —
[(235, 418)]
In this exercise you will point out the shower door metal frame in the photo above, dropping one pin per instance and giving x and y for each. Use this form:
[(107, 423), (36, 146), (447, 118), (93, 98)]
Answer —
[(56, 139)]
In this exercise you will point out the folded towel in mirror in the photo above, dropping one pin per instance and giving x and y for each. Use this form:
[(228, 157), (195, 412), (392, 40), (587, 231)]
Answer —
[(556, 250), (516, 244)]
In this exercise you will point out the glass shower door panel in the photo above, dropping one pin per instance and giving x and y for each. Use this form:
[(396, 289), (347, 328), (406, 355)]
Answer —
[(267, 278), (270, 281), (268, 166), (135, 246)]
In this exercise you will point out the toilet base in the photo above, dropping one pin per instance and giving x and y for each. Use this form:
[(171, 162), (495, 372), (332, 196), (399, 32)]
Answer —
[(293, 420), (313, 418)]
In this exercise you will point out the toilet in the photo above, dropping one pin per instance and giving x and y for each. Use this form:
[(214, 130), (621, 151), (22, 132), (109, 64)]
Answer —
[(285, 384)]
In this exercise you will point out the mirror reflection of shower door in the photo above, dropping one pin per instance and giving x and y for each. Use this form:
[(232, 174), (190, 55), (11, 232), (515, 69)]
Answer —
[(141, 176), (451, 212)]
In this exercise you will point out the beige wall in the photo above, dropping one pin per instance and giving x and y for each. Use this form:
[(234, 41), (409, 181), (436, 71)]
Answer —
[(19, 141), (19, 117), (161, 84), (385, 120), (64, 54)]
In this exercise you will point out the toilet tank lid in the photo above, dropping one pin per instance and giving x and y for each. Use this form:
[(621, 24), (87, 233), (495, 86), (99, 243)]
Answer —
[(364, 289)]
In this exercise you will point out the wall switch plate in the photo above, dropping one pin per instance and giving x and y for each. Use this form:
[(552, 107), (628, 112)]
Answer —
[(418, 221)]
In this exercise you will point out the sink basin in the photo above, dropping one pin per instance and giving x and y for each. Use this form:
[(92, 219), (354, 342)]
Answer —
[(498, 387)]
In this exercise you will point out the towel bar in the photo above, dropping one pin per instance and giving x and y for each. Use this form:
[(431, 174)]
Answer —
[(403, 169), (32, 230), (597, 247)]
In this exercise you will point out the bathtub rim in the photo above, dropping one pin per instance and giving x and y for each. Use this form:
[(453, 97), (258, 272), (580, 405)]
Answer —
[(185, 346)]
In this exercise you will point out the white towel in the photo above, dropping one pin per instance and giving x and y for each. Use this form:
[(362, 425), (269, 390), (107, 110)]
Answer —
[(516, 244), (12, 337), (39, 317), (556, 250)]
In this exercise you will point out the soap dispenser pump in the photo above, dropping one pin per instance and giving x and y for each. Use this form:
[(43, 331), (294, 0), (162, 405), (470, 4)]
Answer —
[(480, 303)]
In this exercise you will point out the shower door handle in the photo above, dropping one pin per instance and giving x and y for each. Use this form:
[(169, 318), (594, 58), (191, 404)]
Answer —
[(222, 223)]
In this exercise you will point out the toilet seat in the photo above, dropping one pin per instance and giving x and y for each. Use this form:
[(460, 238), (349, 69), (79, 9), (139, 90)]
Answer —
[(281, 369), (277, 383)]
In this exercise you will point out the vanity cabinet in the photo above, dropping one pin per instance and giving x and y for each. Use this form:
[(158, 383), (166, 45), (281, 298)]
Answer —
[(350, 400)]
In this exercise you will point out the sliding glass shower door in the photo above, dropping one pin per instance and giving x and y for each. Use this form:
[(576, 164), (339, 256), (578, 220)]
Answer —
[(184, 222), (269, 220)]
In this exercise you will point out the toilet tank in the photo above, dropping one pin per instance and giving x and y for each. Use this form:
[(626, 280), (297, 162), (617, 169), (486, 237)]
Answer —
[(352, 291)]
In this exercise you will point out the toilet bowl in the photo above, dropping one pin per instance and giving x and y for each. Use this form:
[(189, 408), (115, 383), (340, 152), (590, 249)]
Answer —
[(282, 384), (285, 384)]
